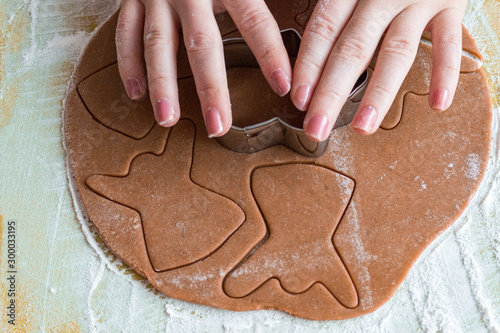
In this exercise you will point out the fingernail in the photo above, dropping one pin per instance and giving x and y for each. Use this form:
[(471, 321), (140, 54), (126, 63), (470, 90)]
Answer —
[(365, 119), (440, 102), (213, 122), (164, 113), (317, 127), (133, 89), (302, 96), (281, 82)]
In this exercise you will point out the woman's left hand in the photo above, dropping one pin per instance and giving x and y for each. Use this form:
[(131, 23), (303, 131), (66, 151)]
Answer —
[(339, 43)]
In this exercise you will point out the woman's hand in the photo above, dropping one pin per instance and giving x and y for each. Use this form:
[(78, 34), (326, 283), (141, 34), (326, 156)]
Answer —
[(151, 28), (339, 43)]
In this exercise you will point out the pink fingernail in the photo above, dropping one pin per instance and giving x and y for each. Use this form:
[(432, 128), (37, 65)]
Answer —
[(317, 127), (165, 113), (213, 122), (365, 119), (302, 96), (440, 101), (133, 89), (281, 82)]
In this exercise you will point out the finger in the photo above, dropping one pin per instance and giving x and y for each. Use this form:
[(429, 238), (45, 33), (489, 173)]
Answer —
[(446, 32), (350, 56), (160, 50), (327, 22), (261, 32), (396, 56), (129, 48), (206, 57)]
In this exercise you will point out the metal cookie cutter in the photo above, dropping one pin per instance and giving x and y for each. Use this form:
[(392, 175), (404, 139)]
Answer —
[(277, 131)]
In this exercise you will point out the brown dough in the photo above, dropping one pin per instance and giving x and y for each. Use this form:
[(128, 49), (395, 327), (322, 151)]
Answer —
[(310, 197), (262, 96), (327, 238), (179, 242)]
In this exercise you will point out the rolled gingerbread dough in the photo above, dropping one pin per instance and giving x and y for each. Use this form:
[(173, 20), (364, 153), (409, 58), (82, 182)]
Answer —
[(326, 238)]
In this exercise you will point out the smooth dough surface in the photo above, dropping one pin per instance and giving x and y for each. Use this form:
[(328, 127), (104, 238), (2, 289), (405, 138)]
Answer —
[(327, 238)]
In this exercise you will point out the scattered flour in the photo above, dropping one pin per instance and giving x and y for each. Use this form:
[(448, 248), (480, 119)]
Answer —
[(475, 277), (473, 166), (423, 185), (361, 256)]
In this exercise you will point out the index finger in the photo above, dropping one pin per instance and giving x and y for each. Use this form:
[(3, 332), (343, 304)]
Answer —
[(206, 57), (262, 34)]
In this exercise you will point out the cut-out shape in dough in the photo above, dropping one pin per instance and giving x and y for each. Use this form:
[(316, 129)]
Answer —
[(111, 106), (286, 19), (418, 82), (468, 43), (183, 222), (303, 18), (302, 205)]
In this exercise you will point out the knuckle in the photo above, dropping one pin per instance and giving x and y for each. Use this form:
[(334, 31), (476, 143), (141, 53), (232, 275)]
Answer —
[(352, 49), (402, 48), (449, 68), (158, 83), (450, 40), (252, 19), (126, 59), (123, 30), (268, 55), (382, 90), (308, 65), (208, 92), (156, 37), (324, 28), (330, 96), (199, 41)]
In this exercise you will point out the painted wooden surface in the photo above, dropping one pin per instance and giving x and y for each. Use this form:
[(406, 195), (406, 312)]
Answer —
[(66, 281)]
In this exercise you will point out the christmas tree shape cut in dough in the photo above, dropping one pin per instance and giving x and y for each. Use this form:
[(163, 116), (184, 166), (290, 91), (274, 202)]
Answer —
[(302, 205), (182, 221)]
